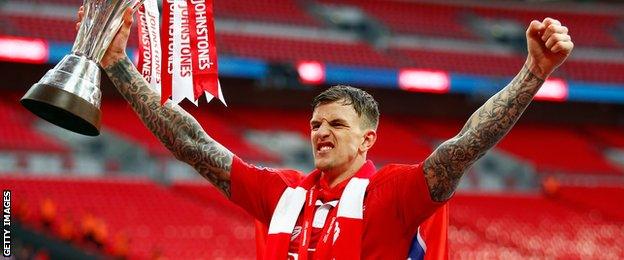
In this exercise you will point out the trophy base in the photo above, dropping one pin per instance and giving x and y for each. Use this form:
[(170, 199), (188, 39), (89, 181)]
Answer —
[(68, 95), (63, 109)]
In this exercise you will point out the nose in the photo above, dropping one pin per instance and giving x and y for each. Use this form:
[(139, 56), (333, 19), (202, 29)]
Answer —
[(323, 130)]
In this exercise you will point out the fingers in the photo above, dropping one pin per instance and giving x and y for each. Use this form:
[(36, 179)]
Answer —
[(128, 17), (563, 47), (548, 21), (127, 22), (535, 28), (557, 37), (552, 26), (80, 16), (80, 13)]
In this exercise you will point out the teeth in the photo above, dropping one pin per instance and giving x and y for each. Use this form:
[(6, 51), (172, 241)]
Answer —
[(325, 148)]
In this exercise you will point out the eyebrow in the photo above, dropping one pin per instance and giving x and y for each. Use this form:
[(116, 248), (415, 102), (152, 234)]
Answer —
[(337, 120)]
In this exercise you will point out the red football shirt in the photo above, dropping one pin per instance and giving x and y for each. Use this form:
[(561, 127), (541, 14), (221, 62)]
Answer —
[(397, 201)]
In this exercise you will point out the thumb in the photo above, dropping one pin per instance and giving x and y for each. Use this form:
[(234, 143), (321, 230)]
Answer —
[(536, 28)]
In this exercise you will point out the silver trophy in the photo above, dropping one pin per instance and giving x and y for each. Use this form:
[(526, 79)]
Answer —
[(69, 94)]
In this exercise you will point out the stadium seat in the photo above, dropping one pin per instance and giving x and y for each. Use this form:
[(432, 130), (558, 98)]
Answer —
[(293, 50), (557, 150), (587, 29), (18, 133), (601, 200), (475, 63), (276, 11), (608, 136), (120, 118), (154, 218), (431, 19), (536, 226)]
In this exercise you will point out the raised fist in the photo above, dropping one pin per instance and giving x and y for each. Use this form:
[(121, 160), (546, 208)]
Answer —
[(549, 45)]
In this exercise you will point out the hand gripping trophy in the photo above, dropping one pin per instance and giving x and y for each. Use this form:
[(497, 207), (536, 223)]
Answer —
[(69, 94)]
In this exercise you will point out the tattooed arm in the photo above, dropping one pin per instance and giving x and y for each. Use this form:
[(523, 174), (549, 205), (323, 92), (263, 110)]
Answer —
[(549, 45), (175, 128)]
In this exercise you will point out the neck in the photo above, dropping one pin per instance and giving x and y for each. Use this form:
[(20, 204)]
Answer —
[(334, 177)]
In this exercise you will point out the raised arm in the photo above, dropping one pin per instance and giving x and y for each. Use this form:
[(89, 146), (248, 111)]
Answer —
[(548, 45), (173, 126)]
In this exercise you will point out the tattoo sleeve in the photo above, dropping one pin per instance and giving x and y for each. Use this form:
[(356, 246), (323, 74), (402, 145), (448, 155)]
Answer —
[(488, 125), (173, 126)]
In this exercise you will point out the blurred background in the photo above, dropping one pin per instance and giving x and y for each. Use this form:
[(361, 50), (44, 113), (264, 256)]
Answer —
[(551, 189)]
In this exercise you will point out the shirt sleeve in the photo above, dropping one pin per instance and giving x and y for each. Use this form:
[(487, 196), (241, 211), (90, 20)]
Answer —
[(411, 194), (258, 189)]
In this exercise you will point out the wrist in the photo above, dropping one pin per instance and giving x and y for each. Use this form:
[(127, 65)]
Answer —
[(110, 59), (537, 70)]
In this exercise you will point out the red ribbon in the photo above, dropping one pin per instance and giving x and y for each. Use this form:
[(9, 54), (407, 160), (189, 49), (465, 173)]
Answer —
[(167, 47), (201, 23), (201, 42)]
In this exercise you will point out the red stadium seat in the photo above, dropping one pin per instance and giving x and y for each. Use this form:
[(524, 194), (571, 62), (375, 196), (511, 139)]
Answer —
[(536, 227), (18, 133), (602, 200), (557, 149), (120, 118), (277, 11), (154, 218), (609, 136), (587, 29), (476, 63), (282, 49), (415, 17)]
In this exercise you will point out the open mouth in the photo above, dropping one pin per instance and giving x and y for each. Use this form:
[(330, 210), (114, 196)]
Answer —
[(324, 147)]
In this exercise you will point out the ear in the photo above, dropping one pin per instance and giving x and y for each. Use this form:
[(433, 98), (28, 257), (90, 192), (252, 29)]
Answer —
[(370, 136)]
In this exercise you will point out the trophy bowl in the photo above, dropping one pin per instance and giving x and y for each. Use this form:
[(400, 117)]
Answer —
[(69, 95)]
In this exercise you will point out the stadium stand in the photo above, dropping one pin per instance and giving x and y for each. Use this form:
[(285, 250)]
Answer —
[(608, 136), (282, 49), (54, 29), (142, 211), (433, 19), (18, 133), (359, 53), (121, 119), (482, 225), (392, 143), (551, 148), (452, 20), (277, 11), (601, 72), (548, 147), (559, 232), (602, 200), (477, 63), (588, 29)]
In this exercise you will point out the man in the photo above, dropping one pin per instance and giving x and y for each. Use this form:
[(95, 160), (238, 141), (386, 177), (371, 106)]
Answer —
[(345, 209)]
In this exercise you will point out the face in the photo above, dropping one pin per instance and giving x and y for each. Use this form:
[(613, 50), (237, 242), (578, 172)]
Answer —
[(338, 137)]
